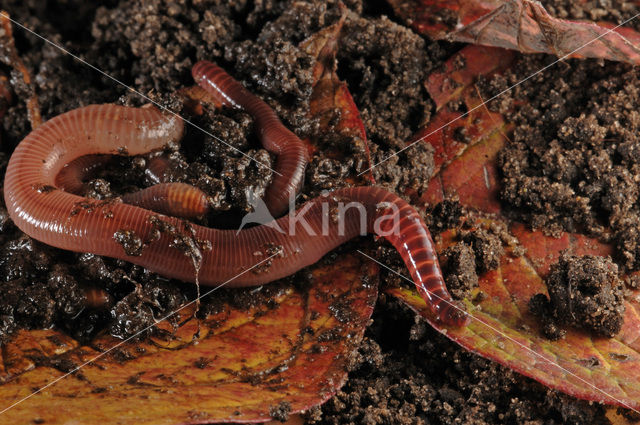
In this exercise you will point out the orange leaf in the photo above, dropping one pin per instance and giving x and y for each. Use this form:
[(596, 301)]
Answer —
[(291, 348), (593, 368)]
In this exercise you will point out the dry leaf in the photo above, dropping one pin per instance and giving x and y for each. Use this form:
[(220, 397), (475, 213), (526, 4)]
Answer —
[(526, 26), (522, 25), (291, 348)]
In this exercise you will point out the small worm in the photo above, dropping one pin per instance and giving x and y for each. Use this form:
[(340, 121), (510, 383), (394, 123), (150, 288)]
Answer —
[(275, 137), (53, 216), (175, 199), (156, 170)]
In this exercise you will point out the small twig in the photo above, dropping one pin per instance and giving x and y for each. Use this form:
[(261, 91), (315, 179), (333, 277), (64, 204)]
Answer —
[(7, 43)]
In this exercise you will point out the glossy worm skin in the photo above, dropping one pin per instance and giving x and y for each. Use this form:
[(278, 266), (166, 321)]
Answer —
[(275, 137), (71, 222), (176, 199), (71, 177)]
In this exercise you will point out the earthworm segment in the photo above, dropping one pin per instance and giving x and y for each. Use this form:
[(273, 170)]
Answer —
[(275, 137)]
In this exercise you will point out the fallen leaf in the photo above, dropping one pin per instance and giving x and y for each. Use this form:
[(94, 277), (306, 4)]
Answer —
[(483, 130), (526, 26), (463, 69), (522, 25), (291, 348), (437, 18), (332, 103), (619, 416), (502, 329), (582, 365)]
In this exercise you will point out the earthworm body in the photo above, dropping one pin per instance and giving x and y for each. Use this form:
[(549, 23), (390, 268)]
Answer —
[(40, 207)]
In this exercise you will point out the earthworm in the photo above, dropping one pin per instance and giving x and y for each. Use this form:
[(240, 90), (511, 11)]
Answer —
[(157, 167), (176, 199), (275, 137), (68, 221)]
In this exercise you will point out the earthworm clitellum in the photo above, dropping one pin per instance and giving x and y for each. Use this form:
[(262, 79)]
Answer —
[(40, 207)]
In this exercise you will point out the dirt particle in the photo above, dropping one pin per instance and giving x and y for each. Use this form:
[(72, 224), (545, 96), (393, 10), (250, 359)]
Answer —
[(202, 363), (459, 268), (132, 244), (447, 214), (281, 411), (487, 248)]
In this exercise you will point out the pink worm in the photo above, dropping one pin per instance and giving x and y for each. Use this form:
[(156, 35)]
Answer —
[(63, 220)]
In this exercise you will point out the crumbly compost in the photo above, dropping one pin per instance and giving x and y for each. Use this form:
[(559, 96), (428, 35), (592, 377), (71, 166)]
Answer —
[(573, 163), (615, 11), (584, 292), (459, 268), (405, 372)]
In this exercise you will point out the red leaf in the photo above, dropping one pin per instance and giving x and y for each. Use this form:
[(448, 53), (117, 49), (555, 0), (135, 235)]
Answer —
[(436, 18), (331, 101), (526, 26)]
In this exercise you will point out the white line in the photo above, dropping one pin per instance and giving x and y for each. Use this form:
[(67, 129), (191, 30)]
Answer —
[(507, 337), (137, 92), (501, 93), (39, 390)]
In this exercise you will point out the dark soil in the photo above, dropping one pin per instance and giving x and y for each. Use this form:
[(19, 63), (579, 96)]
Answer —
[(405, 371), (573, 163), (584, 292), (477, 252), (609, 10)]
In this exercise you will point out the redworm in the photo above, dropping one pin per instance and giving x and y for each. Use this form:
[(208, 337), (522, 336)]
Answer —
[(53, 216)]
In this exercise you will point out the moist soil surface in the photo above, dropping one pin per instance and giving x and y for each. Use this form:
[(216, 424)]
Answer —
[(581, 166), (584, 291)]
